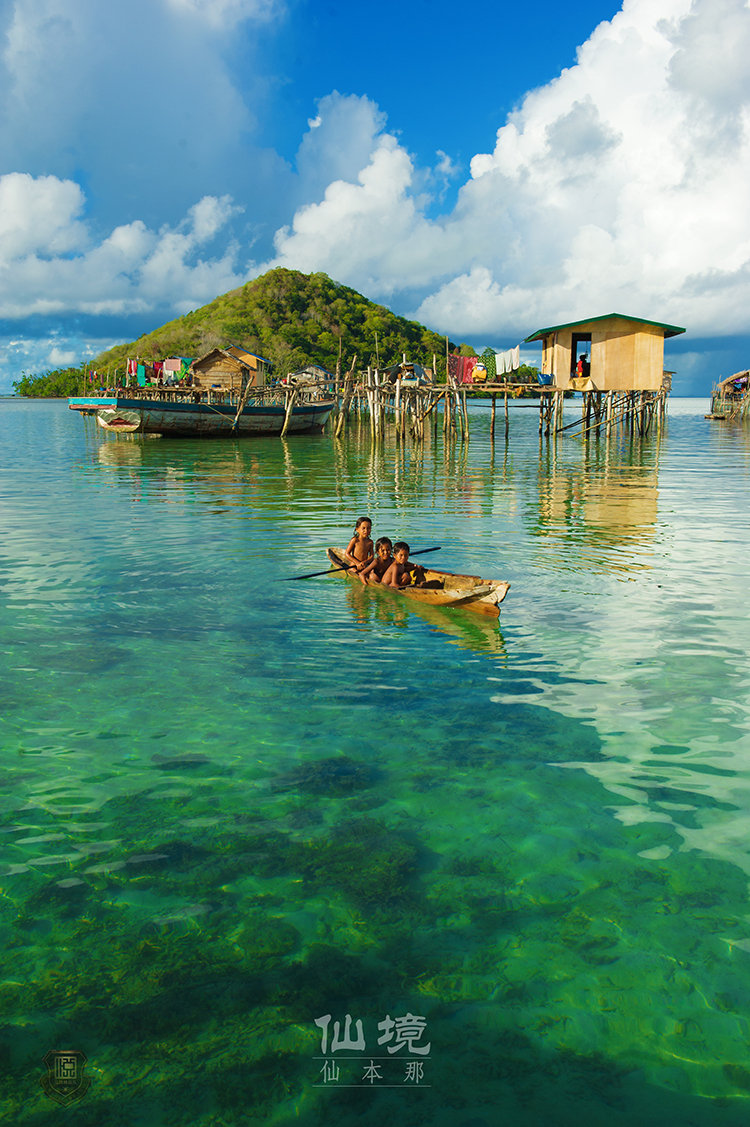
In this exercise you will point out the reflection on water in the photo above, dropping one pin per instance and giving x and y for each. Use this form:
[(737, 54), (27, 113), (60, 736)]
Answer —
[(597, 503), (232, 805), (372, 607), (601, 506)]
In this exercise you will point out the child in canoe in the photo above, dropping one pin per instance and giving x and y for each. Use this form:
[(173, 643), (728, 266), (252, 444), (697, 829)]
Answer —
[(359, 551), (402, 571), (375, 570)]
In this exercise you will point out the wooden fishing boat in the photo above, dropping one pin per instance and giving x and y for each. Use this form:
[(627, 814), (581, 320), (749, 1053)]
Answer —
[(443, 588), (180, 415)]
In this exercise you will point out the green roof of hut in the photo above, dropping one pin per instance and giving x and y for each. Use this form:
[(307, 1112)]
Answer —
[(669, 330)]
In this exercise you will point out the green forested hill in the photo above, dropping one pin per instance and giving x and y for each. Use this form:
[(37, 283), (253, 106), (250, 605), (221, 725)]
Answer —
[(288, 317)]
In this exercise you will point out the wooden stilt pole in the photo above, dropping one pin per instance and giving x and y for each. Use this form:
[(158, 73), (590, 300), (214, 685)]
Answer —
[(397, 408), (446, 401), (290, 398), (379, 404)]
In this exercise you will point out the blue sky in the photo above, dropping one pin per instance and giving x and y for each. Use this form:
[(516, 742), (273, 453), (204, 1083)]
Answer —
[(487, 169)]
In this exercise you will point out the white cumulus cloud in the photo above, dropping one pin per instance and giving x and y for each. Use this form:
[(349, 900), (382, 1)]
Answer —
[(621, 185), (39, 216), (62, 357), (140, 98), (50, 262)]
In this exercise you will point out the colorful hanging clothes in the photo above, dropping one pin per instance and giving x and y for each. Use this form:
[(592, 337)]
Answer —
[(469, 364), (454, 367)]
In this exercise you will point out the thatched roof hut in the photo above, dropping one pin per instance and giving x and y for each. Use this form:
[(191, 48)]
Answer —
[(230, 368)]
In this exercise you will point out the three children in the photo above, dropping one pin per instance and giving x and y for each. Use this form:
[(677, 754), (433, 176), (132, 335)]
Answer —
[(387, 563)]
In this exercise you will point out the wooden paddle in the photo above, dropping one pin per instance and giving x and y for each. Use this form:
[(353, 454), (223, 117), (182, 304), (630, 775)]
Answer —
[(346, 567)]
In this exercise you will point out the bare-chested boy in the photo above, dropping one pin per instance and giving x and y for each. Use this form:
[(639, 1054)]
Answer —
[(402, 570), (360, 549), (375, 570)]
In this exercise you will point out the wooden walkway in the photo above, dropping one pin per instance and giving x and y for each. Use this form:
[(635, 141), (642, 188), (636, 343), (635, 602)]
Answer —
[(409, 404)]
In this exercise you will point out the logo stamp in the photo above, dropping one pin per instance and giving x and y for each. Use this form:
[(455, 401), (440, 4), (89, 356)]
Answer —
[(65, 1082), (350, 1068)]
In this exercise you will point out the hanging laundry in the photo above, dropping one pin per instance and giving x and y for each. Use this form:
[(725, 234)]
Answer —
[(454, 367), (467, 373), (173, 364), (508, 361)]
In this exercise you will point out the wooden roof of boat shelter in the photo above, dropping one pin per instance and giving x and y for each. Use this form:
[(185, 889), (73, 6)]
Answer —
[(624, 353), (738, 378), (230, 367)]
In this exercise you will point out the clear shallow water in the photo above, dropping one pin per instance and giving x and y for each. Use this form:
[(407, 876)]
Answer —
[(232, 805)]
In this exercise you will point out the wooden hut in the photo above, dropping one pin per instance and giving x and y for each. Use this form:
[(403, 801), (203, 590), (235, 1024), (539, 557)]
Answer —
[(617, 353), (311, 374), (731, 397), (733, 387), (229, 369)]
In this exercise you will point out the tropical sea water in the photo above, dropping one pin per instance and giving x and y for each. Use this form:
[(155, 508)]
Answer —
[(515, 854)]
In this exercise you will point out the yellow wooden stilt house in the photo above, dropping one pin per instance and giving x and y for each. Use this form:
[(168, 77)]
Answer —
[(610, 353)]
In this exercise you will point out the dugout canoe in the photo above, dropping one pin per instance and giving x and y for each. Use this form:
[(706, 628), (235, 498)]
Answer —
[(443, 588)]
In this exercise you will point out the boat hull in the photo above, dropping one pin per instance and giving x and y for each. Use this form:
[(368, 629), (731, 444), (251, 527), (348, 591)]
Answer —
[(443, 589), (123, 415)]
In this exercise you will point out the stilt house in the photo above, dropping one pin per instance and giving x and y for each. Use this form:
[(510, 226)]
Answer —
[(230, 369), (619, 353)]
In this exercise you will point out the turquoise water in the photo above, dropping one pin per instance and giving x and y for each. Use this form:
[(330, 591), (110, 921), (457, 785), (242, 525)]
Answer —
[(232, 805)]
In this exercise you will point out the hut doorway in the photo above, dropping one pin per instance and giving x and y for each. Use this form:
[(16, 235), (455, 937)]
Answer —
[(580, 346)]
